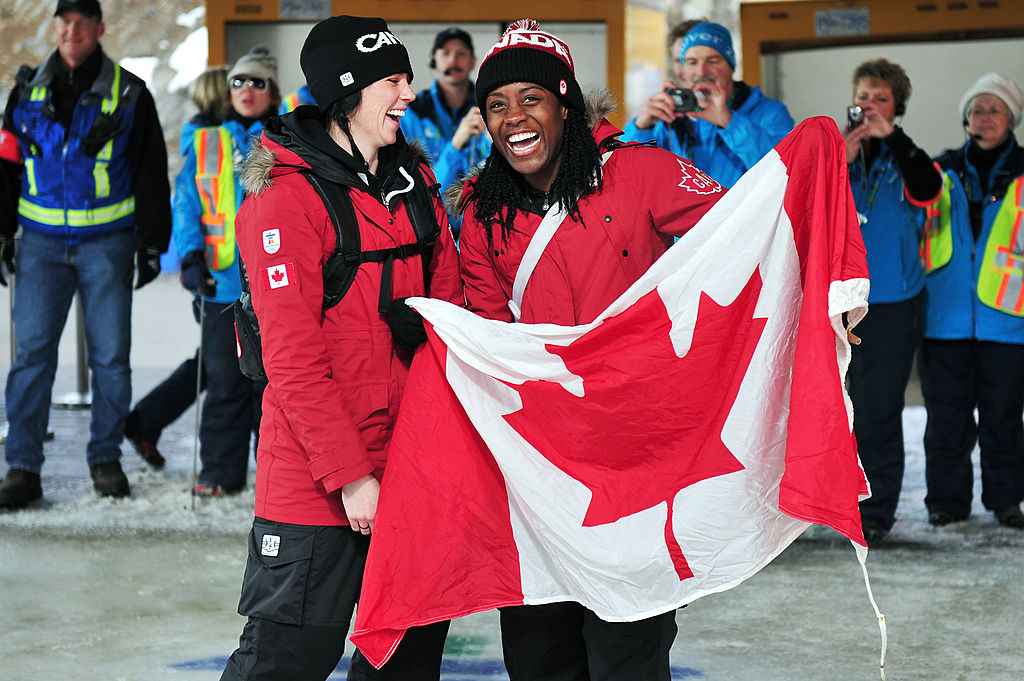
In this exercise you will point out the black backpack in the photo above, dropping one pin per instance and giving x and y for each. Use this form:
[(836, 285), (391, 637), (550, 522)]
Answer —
[(340, 269)]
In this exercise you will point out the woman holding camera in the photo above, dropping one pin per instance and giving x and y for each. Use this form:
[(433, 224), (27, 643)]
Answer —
[(892, 179), (973, 352)]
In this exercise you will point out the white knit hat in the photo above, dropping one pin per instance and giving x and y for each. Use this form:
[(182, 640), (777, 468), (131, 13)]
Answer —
[(1003, 88)]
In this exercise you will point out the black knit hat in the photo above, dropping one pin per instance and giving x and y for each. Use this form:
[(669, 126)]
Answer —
[(344, 54), (528, 55)]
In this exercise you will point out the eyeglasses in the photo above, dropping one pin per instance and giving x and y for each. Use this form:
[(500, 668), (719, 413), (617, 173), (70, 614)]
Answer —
[(254, 83), (991, 113)]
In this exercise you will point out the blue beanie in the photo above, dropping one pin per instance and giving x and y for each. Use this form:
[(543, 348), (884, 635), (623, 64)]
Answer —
[(713, 35)]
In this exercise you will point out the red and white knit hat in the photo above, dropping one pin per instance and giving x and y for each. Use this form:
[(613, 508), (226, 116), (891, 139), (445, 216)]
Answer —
[(526, 54)]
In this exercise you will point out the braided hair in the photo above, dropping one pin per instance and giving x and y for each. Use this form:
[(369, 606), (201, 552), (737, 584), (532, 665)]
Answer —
[(499, 190)]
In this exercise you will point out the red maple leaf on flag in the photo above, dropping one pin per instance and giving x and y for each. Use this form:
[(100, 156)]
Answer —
[(650, 422), (277, 275)]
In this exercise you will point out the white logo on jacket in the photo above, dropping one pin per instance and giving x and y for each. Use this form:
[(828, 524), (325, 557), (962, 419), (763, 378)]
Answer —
[(695, 181), (271, 241)]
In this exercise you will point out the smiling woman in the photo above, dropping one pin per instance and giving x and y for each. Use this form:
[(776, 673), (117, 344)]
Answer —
[(339, 226), (559, 222)]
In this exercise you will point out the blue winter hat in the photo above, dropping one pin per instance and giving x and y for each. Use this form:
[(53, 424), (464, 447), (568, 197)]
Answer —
[(713, 35)]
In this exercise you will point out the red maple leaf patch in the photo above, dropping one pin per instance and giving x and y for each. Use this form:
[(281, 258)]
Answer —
[(650, 422), (277, 275)]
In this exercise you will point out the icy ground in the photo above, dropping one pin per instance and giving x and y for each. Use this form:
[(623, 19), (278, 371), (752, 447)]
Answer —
[(146, 588)]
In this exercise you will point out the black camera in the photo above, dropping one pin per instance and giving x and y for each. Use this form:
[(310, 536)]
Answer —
[(683, 99), (854, 116)]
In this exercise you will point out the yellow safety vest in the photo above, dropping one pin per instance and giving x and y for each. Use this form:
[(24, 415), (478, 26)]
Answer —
[(1001, 280), (215, 180), (936, 246)]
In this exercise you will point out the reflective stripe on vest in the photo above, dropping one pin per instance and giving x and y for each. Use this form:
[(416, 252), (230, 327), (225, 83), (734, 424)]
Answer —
[(215, 180), (936, 245), (76, 217), (99, 170), (1001, 281)]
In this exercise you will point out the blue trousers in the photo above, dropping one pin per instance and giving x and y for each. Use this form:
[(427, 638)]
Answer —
[(47, 275)]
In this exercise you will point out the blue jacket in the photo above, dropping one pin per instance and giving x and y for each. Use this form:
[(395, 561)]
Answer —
[(954, 311), (428, 120), (67, 193), (188, 228), (892, 231), (757, 125)]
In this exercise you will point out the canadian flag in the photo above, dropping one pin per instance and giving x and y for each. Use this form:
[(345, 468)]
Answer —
[(666, 451), (278, 276)]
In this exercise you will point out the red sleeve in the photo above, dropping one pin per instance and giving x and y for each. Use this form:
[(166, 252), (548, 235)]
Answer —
[(287, 294), (485, 294), (675, 192)]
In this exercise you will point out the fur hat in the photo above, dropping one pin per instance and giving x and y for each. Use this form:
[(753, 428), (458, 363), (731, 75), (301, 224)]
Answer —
[(1003, 88), (344, 54), (258, 63), (529, 55)]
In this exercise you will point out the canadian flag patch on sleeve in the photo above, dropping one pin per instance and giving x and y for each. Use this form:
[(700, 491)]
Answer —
[(278, 276)]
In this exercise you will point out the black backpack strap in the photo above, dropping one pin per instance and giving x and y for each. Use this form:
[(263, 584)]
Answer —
[(342, 265)]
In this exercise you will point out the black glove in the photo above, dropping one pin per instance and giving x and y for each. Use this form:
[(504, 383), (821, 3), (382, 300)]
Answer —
[(195, 275), (6, 257), (147, 262), (406, 325)]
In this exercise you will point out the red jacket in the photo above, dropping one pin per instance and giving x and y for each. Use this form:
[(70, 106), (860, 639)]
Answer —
[(648, 196), (335, 378)]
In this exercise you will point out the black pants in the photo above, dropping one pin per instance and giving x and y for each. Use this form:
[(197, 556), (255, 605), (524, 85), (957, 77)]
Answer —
[(299, 602), (956, 377), (567, 642), (879, 371), (165, 403)]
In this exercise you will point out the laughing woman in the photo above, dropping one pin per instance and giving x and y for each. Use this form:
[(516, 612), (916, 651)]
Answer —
[(337, 344), (613, 218)]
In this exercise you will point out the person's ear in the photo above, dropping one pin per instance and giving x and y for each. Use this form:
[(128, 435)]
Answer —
[(565, 113)]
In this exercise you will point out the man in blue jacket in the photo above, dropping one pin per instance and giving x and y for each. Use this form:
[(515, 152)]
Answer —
[(93, 202), (735, 124), (445, 118)]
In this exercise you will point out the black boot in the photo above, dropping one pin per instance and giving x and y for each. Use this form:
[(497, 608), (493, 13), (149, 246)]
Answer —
[(1010, 516), (144, 444), (109, 480), (20, 488)]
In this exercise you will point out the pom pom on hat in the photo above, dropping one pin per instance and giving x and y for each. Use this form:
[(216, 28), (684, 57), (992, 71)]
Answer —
[(1003, 88), (526, 54)]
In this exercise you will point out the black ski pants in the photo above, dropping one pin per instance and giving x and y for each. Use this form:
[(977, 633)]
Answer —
[(956, 377)]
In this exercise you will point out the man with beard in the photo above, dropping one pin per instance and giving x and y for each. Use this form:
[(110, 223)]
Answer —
[(735, 124)]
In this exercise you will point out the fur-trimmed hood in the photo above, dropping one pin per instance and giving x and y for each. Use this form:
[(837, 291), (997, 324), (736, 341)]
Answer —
[(600, 103), (298, 142)]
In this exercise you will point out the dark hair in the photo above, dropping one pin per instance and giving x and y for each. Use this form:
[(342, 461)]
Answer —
[(680, 30), (499, 189), (339, 109), (893, 75)]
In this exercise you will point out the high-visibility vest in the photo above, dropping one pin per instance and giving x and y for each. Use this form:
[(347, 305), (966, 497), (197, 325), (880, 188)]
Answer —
[(936, 246), (215, 181), (69, 192), (1001, 280)]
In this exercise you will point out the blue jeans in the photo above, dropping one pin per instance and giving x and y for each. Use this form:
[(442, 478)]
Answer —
[(48, 272)]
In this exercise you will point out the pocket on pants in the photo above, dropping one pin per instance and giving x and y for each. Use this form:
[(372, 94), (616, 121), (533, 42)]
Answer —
[(276, 572)]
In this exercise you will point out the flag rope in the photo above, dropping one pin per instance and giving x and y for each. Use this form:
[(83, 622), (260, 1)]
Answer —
[(862, 558)]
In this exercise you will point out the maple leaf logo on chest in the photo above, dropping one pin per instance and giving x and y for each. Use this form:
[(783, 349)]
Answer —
[(649, 423), (277, 275)]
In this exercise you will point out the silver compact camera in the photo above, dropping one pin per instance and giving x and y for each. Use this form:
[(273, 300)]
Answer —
[(854, 116)]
